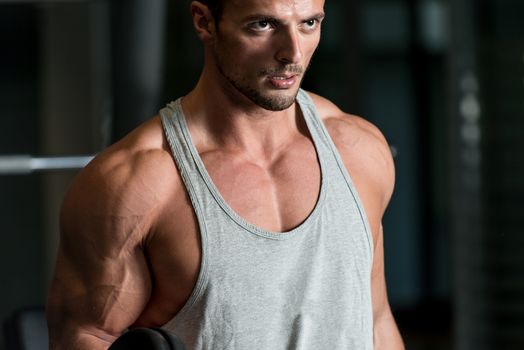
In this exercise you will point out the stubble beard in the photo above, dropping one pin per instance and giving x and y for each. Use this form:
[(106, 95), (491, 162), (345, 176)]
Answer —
[(276, 102)]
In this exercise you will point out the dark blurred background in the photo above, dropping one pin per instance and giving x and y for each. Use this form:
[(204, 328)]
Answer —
[(443, 80)]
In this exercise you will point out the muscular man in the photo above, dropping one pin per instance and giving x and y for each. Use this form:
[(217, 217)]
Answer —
[(247, 215)]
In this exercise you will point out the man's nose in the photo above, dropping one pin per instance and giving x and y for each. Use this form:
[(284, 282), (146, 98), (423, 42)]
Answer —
[(289, 47)]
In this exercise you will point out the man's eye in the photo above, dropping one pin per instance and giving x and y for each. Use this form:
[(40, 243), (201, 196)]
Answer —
[(260, 25), (311, 23)]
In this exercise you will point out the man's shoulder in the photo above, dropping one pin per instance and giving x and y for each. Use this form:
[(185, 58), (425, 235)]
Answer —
[(361, 144), (134, 174), (344, 127)]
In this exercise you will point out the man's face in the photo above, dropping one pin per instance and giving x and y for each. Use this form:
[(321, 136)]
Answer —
[(263, 47)]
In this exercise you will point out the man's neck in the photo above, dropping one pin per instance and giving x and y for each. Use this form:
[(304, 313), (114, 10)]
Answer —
[(216, 119)]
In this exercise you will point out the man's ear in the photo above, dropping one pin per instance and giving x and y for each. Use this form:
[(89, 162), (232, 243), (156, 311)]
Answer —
[(203, 21)]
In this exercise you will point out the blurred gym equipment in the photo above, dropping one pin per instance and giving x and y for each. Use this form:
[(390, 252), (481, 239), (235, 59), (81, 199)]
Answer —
[(25, 164), (26, 329)]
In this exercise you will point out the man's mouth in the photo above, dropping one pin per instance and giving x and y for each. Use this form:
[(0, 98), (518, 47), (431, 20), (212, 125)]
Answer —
[(282, 77), (283, 81)]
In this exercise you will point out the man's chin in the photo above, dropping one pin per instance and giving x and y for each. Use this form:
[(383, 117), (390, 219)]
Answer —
[(276, 104), (276, 100)]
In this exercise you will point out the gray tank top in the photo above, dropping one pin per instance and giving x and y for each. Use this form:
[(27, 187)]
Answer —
[(308, 288)]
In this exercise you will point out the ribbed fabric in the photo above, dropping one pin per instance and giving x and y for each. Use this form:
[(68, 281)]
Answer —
[(308, 288)]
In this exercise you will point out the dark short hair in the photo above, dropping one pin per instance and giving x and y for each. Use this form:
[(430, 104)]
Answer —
[(215, 6)]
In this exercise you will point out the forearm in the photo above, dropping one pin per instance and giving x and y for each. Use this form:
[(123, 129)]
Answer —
[(70, 327), (81, 341), (386, 334)]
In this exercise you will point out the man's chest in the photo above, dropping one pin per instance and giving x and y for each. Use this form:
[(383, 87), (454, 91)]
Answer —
[(277, 196)]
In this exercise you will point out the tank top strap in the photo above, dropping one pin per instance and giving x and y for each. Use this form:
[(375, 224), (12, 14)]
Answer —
[(316, 127), (186, 158)]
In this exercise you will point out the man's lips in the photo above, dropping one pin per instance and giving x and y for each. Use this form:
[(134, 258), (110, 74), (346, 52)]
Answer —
[(283, 81)]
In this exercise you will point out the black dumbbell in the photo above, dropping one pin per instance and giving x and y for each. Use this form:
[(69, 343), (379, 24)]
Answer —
[(147, 339)]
